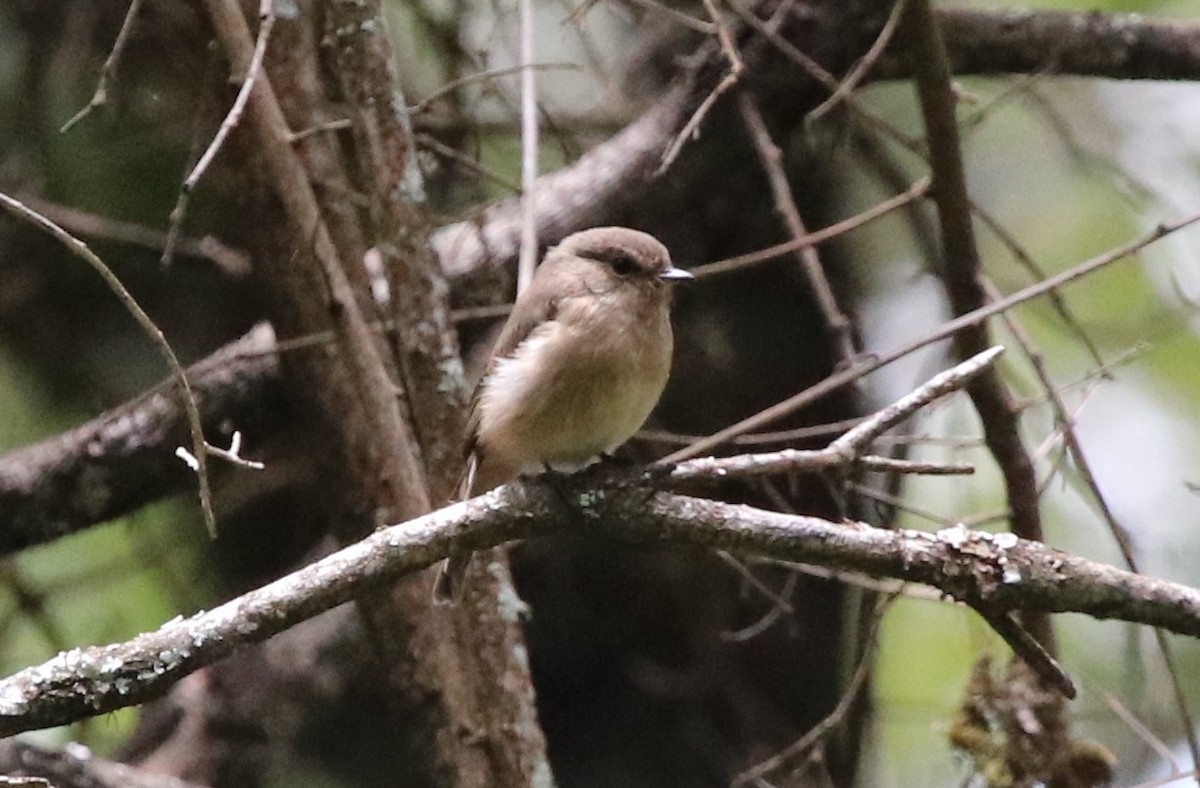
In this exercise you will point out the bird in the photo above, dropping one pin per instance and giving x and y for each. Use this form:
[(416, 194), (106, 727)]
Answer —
[(579, 365)]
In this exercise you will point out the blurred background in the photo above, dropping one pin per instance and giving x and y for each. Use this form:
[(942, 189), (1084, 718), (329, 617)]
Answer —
[(1069, 167)]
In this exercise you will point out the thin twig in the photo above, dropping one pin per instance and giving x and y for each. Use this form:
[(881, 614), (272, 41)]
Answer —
[(108, 70), (947, 329), (938, 386), (266, 20), (837, 325), (773, 614), (230, 261), (674, 14), (961, 267), (81, 250), (822, 728), (492, 73), (1030, 650), (916, 147), (340, 124), (730, 264), (1143, 732), (847, 449), (1026, 261), (527, 258), (860, 69), (442, 149), (758, 438), (736, 68)]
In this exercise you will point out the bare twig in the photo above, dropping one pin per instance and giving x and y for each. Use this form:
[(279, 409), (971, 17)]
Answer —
[(230, 261), (961, 263), (1074, 449), (109, 70), (444, 150), (1026, 261), (847, 449), (1143, 732), (121, 459), (527, 259), (756, 773), (837, 325), (266, 20), (717, 267), (736, 68), (75, 766), (839, 379), (492, 73), (860, 69), (81, 250), (674, 14)]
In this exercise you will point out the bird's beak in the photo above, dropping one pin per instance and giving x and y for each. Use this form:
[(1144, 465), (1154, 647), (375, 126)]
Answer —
[(673, 274)]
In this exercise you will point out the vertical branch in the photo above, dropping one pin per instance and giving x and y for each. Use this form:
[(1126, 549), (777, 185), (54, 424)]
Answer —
[(199, 446), (961, 272), (529, 149), (468, 659), (836, 322), (109, 70)]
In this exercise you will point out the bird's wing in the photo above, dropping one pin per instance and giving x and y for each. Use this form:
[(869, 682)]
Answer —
[(535, 307)]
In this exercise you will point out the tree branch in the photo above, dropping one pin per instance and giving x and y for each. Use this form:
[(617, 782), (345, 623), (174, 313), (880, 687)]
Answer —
[(76, 767), (614, 175), (993, 573), (124, 458), (1083, 43)]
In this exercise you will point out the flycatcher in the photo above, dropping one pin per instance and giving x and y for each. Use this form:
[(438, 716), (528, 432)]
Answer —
[(579, 365)]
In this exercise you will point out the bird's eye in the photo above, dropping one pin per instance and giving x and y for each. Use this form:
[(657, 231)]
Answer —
[(622, 264)]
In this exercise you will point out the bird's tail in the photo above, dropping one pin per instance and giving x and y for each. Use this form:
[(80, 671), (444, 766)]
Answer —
[(449, 584)]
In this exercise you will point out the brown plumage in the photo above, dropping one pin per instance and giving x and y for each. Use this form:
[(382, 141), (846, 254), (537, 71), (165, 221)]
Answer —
[(581, 361)]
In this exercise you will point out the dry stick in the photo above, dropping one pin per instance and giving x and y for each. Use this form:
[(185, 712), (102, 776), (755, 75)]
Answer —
[(998, 572), (860, 69), (341, 124), (836, 322), (730, 264), (108, 70), (757, 773), (80, 249), (442, 149), (1119, 532), (527, 258), (736, 67), (897, 502), (1026, 260), (266, 20), (845, 450), (229, 260), (815, 70), (493, 73), (303, 211), (675, 15), (790, 405), (772, 615), (1066, 428), (1143, 732), (758, 438), (961, 274)]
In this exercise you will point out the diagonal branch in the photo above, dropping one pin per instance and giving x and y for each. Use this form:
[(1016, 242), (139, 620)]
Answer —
[(961, 267), (992, 573), (124, 458)]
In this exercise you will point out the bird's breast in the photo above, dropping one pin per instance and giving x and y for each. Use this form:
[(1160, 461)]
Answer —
[(578, 386)]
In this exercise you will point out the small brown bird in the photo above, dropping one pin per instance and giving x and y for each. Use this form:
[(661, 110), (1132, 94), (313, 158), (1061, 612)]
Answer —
[(580, 363)]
